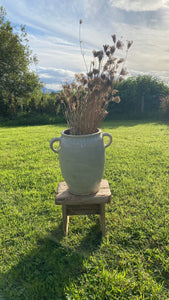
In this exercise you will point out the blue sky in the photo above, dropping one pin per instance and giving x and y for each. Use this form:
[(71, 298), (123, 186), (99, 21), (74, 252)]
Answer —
[(53, 33)]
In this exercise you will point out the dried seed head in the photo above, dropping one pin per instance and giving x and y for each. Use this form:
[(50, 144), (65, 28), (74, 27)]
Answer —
[(74, 86), (90, 74), (123, 72), (90, 84), (80, 21), (84, 81), (94, 53), (112, 49), (95, 71), (105, 47), (103, 76), (129, 43), (96, 81), (120, 60), (111, 60), (100, 55), (121, 78), (119, 44), (116, 99), (98, 85), (114, 92), (105, 68), (114, 38)]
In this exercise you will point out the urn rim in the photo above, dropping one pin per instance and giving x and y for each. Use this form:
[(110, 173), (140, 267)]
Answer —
[(66, 133)]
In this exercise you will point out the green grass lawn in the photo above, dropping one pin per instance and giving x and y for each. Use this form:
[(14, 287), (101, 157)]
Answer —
[(131, 262)]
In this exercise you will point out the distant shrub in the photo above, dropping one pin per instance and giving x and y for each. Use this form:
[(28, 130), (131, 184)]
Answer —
[(164, 107), (31, 119)]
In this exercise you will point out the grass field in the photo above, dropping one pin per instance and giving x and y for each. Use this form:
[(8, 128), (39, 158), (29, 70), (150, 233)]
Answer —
[(131, 262)]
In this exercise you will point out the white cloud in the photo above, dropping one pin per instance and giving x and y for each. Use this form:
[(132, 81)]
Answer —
[(54, 78), (55, 73), (45, 76), (56, 53), (162, 75), (139, 5), (148, 55), (53, 86), (53, 33)]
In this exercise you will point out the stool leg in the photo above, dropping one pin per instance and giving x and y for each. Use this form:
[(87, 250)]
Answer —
[(102, 218), (65, 220)]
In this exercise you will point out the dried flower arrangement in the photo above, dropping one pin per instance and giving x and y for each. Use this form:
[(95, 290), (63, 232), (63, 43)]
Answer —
[(87, 98)]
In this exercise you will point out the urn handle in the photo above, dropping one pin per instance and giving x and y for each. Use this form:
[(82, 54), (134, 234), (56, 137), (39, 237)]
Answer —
[(56, 139), (110, 139)]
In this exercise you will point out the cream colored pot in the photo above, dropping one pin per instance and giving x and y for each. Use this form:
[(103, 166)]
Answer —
[(82, 159)]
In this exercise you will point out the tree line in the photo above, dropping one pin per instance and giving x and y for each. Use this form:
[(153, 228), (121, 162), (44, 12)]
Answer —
[(143, 96), (21, 89)]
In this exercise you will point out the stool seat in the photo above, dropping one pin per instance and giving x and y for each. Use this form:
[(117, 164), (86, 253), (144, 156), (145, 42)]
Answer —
[(83, 204)]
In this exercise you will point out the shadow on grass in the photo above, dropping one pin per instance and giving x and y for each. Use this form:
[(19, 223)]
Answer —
[(91, 241), (49, 268), (113, 124), (34, 119), (44, 119)]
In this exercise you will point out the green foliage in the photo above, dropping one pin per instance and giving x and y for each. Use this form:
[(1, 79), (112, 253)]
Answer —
[(16, 79), (140, 97), (32, 119), (150, 89), (164, 107), (131, 262)]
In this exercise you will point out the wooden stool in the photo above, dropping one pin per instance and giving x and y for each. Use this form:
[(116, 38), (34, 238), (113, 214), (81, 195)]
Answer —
[(83, 205)]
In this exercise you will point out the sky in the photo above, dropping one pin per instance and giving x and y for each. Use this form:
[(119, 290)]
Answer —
[(53, 33)]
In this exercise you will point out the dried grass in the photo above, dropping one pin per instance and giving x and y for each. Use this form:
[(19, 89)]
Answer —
[(86, 99)]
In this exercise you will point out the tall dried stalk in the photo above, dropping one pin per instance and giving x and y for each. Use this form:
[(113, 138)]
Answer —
[(86, 99)]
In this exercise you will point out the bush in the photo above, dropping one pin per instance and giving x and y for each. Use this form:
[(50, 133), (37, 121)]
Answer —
[(164, 107)]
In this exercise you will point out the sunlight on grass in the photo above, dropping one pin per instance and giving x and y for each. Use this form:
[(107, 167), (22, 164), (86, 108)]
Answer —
[(131, 262)]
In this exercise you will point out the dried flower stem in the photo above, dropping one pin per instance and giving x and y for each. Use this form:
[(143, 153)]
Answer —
[(80, 42), (86, 100)]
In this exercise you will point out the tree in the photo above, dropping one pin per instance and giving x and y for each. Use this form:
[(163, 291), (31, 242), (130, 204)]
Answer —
[(140, 96), (16, 79), (149, 90), (164, 107)]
